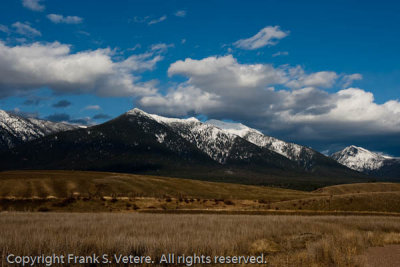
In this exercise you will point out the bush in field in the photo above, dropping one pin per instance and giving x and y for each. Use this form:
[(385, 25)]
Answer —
[(229, 202)]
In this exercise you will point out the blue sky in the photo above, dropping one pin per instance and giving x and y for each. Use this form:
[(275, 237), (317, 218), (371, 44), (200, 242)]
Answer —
[(295, 84)]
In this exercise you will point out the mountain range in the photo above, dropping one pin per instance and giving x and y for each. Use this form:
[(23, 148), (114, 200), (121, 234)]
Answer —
[(139, 142)]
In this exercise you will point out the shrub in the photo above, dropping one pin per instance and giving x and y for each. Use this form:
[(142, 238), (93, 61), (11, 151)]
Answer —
[(229, 202)]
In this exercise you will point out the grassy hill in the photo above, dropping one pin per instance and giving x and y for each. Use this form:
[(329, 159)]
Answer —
[(102, 191), (384, 197), (61, 184), (359, 188)]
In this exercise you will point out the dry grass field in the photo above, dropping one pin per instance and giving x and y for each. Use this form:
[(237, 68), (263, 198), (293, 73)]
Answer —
[(101, 192), (284, 240), (62, 184), (359, 188), (95, 212)]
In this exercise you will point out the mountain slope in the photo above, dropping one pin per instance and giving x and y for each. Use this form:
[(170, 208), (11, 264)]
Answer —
[(363, 160), (130, 143), (15, 130), (222, 146), (306, 158), (137, 142)]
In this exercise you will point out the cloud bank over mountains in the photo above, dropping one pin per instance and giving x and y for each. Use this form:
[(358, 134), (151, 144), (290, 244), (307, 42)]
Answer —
[(284, 100)]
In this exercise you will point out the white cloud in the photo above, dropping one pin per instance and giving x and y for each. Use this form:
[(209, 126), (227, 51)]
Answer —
[(158, 20), (180, 102), (92, 107), (27, 67), (267, 36), (56, 18), (300, 79), (180, 13), (353, 112), (161, 47), (26, 29), (226, 73), (33, 5), (349, 79), (137, 46), (221, 87), (218, 84), (4, 28)]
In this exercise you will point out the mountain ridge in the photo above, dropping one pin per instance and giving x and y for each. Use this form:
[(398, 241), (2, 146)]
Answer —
[(15, 130), (363, 160), (138, 142)]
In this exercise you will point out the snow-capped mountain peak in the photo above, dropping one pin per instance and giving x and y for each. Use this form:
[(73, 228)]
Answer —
[(162, 119), (217, 138), (291, 151), (15, 129), (158, 118), (360, 159), (215, 142)]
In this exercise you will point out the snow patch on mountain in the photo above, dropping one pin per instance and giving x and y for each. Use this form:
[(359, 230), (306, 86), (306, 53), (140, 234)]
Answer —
[(216, 138), (215, 142), (360, 159), (233, 128), (289, 150), (15, 129)]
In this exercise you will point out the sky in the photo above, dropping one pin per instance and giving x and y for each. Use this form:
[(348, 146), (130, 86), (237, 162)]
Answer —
[(318, 73)]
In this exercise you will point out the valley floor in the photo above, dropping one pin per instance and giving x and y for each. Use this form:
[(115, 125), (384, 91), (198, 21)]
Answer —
[(77, 191), (81, 213)]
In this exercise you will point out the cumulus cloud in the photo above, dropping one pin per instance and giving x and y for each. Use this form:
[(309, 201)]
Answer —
[(266, 36), (184, 100), (157, 20), (222, 88), (26, 29), (300, 79), (33, 5), (62, 104), (220, 73), (53, 65), (56, 18)]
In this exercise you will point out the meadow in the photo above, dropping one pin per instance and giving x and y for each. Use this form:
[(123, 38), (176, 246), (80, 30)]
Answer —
[(283, 240), (81, 213), (78, 191)]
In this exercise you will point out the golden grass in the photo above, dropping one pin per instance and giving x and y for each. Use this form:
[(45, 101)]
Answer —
[(101, 191), (359, 188), (62, 184), (284, 240)]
